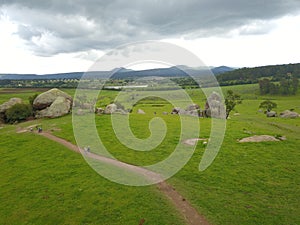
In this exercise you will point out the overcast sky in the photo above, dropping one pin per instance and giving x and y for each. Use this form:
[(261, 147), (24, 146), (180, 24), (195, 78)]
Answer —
[(63, 36)]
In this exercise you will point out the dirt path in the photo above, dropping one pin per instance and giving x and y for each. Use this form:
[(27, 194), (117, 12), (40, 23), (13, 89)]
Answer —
[(189, 213)]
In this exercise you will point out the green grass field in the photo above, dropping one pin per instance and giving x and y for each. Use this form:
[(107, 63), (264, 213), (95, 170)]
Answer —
[(42, 182), (248, 183)]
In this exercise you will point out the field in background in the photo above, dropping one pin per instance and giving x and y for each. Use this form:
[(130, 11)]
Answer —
[(248, 183)]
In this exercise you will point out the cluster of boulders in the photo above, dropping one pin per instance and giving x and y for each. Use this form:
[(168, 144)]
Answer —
[(52, 103), (284, 114), (111, 109), (214, 107), (191, 110)]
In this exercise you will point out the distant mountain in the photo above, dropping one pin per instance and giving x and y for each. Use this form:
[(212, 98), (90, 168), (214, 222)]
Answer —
[(75, 75), (221, 69), (122, 73)]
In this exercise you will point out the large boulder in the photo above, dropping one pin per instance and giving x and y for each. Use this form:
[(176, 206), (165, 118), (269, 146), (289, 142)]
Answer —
[(271, 114), (11, 102), (214, 106), (7, 105), (60, 107), (289, 114), (259, 138), (111, 108), (45, 99)]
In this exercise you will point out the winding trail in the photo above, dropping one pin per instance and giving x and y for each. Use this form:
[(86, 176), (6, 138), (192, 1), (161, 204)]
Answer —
[(190, 214)]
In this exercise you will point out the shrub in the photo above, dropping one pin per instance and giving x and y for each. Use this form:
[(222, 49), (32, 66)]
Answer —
[(32, 98), (18, 112)]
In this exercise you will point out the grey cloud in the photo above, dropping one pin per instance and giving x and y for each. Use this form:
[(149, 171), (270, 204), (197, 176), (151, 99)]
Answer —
[(55, 26), (27, 33)]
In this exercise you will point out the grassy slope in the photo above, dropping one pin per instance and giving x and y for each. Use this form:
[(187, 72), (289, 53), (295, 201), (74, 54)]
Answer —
[(41, 182), (251, 183)]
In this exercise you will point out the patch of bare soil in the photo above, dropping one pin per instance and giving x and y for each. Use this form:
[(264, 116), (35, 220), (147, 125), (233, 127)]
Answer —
[(260, 138)]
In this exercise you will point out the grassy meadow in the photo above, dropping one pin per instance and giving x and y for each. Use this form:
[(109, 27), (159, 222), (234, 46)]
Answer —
[(42, 182)]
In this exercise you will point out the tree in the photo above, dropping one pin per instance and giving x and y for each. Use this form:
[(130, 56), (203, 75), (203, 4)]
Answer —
[(232, 99), (285, 86), (295, 84), (264, 86), (268, 105), (18, 112)]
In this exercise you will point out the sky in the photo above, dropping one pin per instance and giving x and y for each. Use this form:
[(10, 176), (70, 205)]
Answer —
[(65, 36)]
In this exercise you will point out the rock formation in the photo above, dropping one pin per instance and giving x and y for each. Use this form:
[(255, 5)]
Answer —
[(271, 114), (45, 99), (214, 106), (191, 110), (52, 103), (289, 114), (113, 108)]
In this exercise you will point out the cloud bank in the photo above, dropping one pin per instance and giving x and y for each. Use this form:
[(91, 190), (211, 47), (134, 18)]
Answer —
[(54, 26)]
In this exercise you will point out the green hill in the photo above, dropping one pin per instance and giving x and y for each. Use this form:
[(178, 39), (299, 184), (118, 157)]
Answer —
[(252, 75)]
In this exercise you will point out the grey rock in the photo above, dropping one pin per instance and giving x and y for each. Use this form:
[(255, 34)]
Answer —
[(45, 99), (214, 106), (60, 107), (258, 138), (271, 114), (7, 105), (175, 110), (140, 111), (111, 108), (99, 111), (192, 110), (289, 114)]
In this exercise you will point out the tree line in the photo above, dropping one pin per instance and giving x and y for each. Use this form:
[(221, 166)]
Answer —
[(288, 85), (253, 75)]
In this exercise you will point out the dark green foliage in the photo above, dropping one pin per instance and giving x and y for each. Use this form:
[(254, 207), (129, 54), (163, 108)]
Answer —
[(252, 75), (18, 112), (232, 99), (268, 105), (295, 85), (185, 82), (287, 86), (32, 98)]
